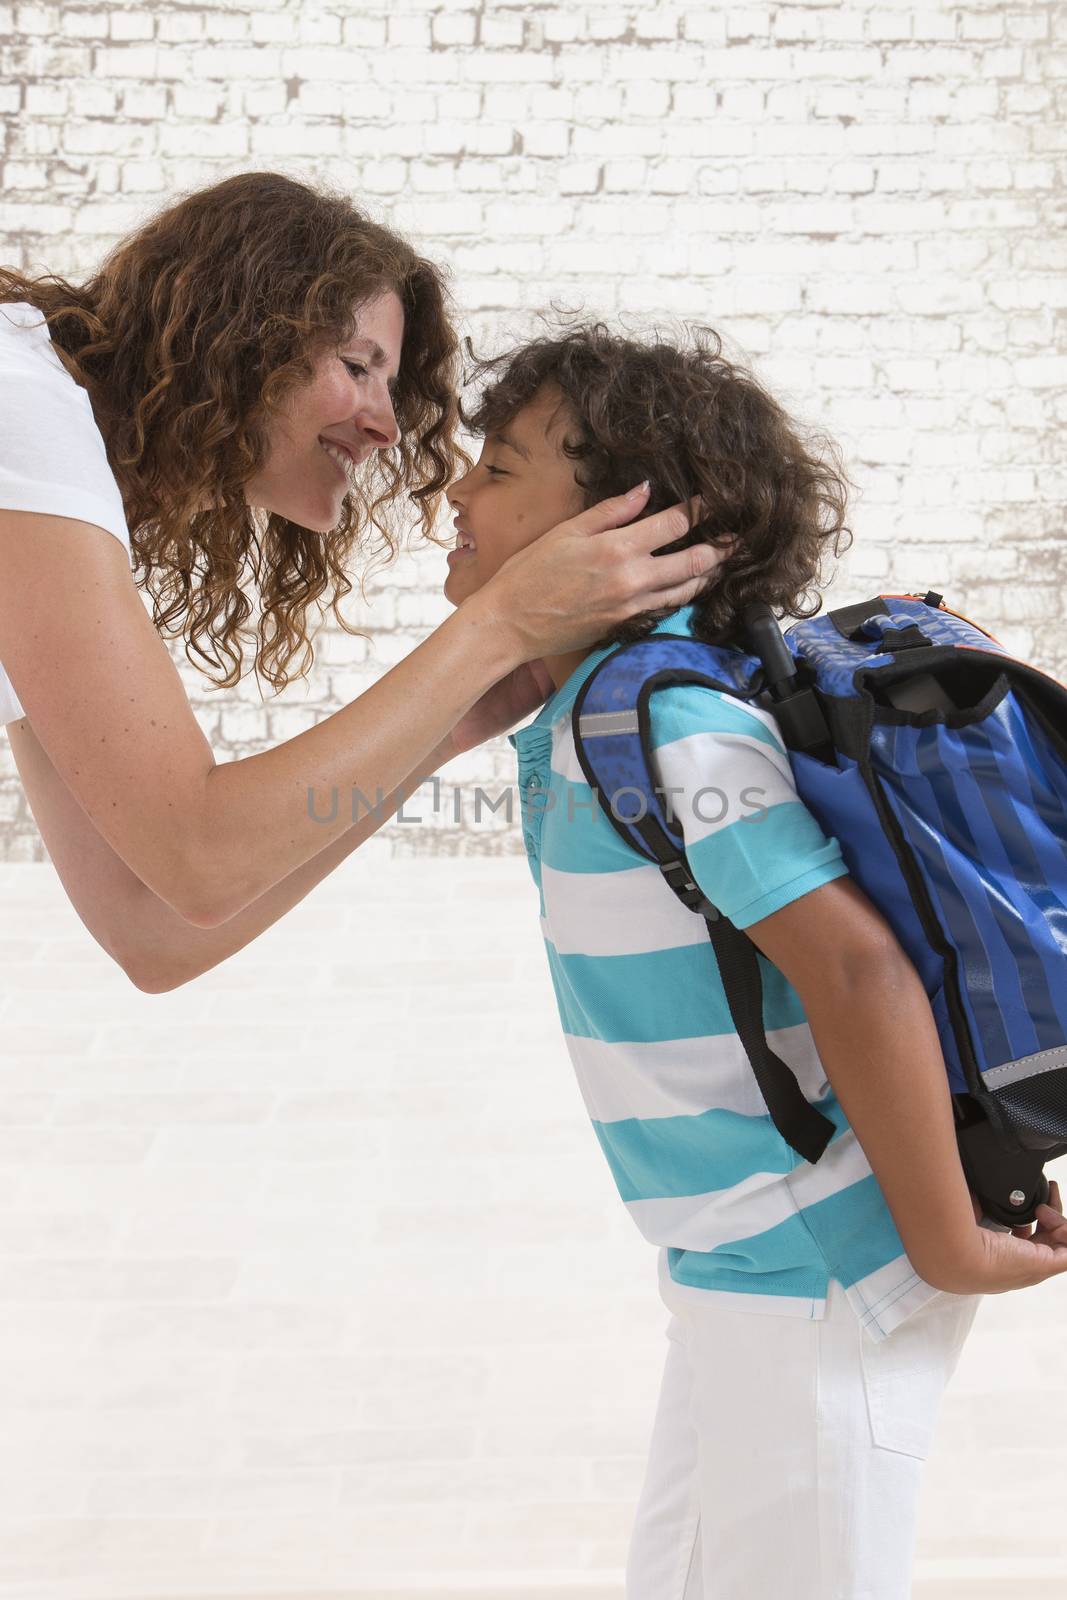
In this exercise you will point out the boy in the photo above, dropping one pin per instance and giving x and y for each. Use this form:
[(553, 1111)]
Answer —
[(787, 1448)]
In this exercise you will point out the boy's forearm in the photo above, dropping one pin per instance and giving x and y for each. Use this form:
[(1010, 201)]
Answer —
[(879, 1044)]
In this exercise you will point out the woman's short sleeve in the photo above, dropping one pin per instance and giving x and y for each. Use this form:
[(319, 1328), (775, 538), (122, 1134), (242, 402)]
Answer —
[(52, 455)]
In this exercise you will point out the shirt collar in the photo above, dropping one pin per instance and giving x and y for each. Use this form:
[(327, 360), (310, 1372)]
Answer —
[(560, 704)]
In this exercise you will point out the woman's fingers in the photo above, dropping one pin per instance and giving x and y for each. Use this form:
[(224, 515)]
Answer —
[(661, 599), (686, 568), (677, 578), (611, 513), (613, 516), (662, 527)]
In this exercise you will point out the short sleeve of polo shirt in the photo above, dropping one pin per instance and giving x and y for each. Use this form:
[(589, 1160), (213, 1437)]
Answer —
[(751, 842)]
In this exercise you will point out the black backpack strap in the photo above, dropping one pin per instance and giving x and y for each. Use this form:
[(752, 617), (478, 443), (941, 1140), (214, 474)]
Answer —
[(801, 1125), (849, 620)]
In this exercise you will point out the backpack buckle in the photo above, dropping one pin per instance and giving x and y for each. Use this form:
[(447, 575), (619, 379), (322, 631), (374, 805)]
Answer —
[(689, 893)]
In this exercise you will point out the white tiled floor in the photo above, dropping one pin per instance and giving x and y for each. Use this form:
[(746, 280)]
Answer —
[(313, 1281)]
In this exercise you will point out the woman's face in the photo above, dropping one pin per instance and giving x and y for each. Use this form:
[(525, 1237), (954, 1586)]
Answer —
[(328, 427), (521, 486)]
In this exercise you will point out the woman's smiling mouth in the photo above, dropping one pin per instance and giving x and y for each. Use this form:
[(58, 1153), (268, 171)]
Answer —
[(340, 455)]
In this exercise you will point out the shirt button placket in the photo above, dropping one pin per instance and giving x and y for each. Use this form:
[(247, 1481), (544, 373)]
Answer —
[(532, 830)]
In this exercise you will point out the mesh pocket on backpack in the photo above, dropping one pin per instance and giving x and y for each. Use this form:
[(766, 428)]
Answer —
[(1038, 1103)]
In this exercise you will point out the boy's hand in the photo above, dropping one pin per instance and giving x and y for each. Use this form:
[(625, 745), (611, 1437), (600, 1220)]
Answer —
[(1018, 1259), (1048, 1226), (875, 1033)]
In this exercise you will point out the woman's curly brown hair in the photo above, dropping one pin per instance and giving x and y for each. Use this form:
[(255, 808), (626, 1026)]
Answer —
[(693, 423), (186, 339)]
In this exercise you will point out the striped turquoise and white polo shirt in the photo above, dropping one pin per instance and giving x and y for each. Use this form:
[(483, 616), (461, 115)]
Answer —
[(675, 1105)]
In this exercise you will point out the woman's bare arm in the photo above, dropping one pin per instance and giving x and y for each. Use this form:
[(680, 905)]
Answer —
[(156, 948), (108, 707), (105, 701)]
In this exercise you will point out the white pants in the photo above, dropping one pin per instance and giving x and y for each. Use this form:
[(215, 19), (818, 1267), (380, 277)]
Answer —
[(787, 1454)]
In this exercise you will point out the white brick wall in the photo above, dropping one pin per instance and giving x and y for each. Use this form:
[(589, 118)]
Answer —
[(313, 1279), (259, 1335), (863, 199)]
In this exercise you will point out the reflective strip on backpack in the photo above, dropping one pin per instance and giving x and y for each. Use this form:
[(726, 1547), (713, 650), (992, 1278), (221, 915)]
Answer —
[(1026, 1067), (596, 724)]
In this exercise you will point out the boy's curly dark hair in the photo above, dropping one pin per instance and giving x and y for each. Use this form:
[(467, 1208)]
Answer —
[(186, 339), (692, 422)]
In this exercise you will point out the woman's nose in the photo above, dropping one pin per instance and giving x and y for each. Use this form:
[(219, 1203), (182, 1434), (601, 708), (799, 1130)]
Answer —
[(379, 422)]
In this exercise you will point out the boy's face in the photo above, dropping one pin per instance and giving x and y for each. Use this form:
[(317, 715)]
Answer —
[(521, 486)]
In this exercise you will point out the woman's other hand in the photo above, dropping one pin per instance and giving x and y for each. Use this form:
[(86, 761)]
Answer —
[(522, 692)]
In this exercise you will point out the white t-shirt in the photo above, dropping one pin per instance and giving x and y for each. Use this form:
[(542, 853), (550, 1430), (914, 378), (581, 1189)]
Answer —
[(52, 455)]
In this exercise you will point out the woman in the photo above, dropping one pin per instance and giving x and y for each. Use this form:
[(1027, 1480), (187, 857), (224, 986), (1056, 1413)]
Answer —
[(250, 380)]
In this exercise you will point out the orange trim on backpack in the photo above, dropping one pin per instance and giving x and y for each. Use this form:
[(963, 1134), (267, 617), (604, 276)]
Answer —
[(972, 624)]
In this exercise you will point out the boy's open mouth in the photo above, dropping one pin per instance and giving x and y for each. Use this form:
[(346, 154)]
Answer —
[(464, 542)]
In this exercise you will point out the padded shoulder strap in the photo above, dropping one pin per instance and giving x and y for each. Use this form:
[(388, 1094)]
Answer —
[(611, 726), (612, 738)]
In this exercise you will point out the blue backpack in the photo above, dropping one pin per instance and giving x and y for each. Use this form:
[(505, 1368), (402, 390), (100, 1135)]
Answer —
[(939, 763)]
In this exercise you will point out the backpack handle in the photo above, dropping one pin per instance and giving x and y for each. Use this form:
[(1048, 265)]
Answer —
[(797, 711), (765, 638)]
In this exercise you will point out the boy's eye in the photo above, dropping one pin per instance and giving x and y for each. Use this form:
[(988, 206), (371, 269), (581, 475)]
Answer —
[(495, 472)]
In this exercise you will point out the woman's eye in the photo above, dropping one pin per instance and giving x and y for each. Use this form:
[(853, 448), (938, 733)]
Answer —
[(355, 369), (495, 472)]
